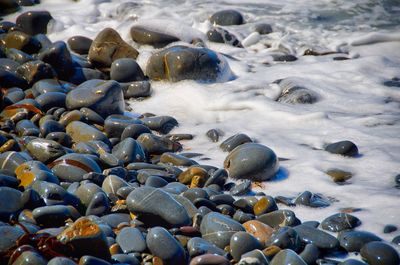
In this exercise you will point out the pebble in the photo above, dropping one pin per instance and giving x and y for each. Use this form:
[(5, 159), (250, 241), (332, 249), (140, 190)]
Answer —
[(380, 253), (156, 145), (34, 71), (137, 89), (103, 97), (126, 70), (107, 47), (227, 18), (143, 35), (339, 222), (218, 229), (128, 151), (79, 44), (241, 189), (241, 243), (234, 141), (255, 257), (344, 148), (30, 257), (82, 132), (352, 262), (214, 134), (287, 256), (145, 202), (61, 261), (10, 202), (338, 175), (59, 57), (353, 241), (319, 238), (293, 92), (8, 7), (279, 218), (265, 204), (259, 230), (44, 150), (263, 28), (310, 254), (161, 244), (21, 41), (251, 161), (162, 124), (209, 259), (221, 35), (54, 216), (176, 160), (389, 229), (125, 259), (131, 240), (198, 246), (99, 205), (183, 63), (310, 199), (34, 22), (285, 238)]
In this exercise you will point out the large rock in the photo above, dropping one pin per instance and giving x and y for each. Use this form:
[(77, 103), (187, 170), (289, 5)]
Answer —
[(180, 62), (108, 46), (103, 97), (252, 161), (158, 207)]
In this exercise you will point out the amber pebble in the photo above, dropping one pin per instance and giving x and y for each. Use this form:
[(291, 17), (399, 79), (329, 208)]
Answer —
[(8, 146), (157, 261), (198, 181), (186, 176), (115, 249), (259, 230)]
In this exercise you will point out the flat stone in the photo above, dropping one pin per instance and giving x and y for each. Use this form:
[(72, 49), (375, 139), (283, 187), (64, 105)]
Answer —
[(82, 132), (145, 202), (45, 151)]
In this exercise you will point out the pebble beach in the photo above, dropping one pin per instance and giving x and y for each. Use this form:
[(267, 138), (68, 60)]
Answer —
[(196, 132)]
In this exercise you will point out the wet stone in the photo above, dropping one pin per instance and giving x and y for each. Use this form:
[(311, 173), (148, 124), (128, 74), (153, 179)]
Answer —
[(143, 35), (145, 202), (34, 71), (292, 92), (131, 240), (114, 125), (113, 220), (353, 241), (10, 79), (112, 183), (285, 238), (27, 128), (30, 257), (214, 134), (379, 253), (251, 161), (310, 199), (54, 216), (50, 100), (54, 128), (227, 18), (128, 151), (389, 229), (82, 132), (300, 97), (18, 56), (126, 70), (162, 124), (310, 254), (45, 150), (234, 141), (198, 246), (134, 131), (59, 57), (176, 160), (34, 22), (352, 262), (339, 222), (317, 237), (221, 35), (241, 189), (241, 243), (218, 229), (125, 259), (186, 63), (287, 256), (90, 260), (8, 7), (265, 204), (344, 148), (8, 65), (137, 89), (99, 205), (155, 182), (61, 261), (242, 217), (103, 97), (209, 259), (339, 176), (263, 28), (79, 44), (161, 244), (107, 47), (279, 218), (156, 145), (21, 41), (260, 231), (10, 202), (86, 192)]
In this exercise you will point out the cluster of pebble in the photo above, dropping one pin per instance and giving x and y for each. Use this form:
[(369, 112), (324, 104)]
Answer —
[(82, 182)]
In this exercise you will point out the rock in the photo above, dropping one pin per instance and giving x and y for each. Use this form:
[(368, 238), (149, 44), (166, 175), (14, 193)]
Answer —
[(61, 261), (50, 100), (59, 57), (45, 151), (34, 22), (79, 44), (8, 7), (319, 238), (99, 205), (214, 134), (34, 71), (21, 41), (260, 231), (161, 244), (82, 132), (176, 160), (145, 202), (156, 145), (72, 167), (103, 97), (254, 257), (179, 63), (241, 243), (218, 229), (55, 215), (265, 204), (162, 124), (134, 131), (30, 257), (227, 18), (285, 238), (10, 202), (209, 259), (338, 175), (51, 193), (234, 141), (263, 28), (107, 47), (251, 161), (90, 260), (137, 89), (379, 253), (128, 151), (221, 35), (279, 218), (353, 241), (27, 128), (112, 183), (344, 148), (352, 262), (389, 229), (115, 124), (143, 35), (86, 192), (292, 91), (10, 79), (126, 70), (241, 189), (87, 238), (198, 246), (293, 96), (310, 199), (339, 222), (287, 256), (131, 240), (310, 254)]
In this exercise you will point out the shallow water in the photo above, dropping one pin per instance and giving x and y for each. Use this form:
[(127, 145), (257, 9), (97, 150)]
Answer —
[(353, 104)]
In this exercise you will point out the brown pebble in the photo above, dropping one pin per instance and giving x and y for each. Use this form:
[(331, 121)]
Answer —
[(259, 230)]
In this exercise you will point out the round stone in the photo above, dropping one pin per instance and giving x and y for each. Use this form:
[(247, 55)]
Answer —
[(285, 238), (59, 57), (198, 246), (82, 132), (10, 202), (131, 240), (221, 35), (54, 216), (227, 18), (339, 222), (317, 237), (355, 240), (234, 141), (344, 148), (379, 253), (143, 35), (128, 151), (34, 22), (251, 161), (209, 259), (242, 242), (79, 44), (287, 256), (259, 230), (126, 70)]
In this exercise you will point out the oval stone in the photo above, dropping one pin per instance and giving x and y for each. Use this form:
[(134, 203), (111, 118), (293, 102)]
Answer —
[(380, 253)]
